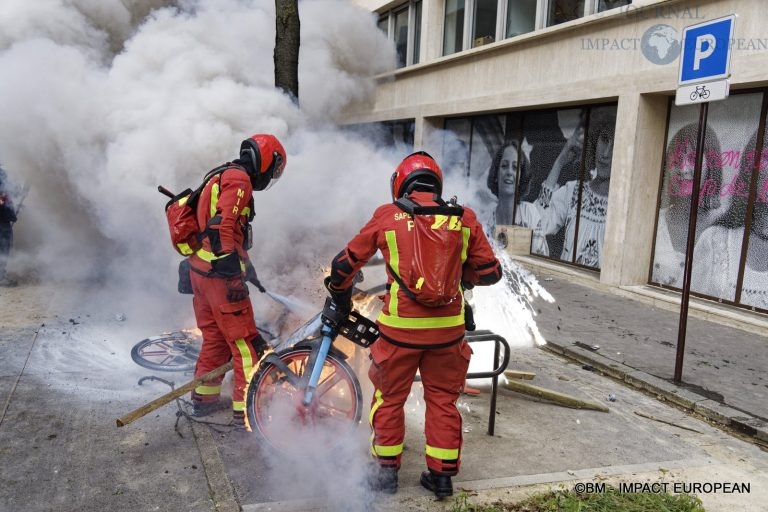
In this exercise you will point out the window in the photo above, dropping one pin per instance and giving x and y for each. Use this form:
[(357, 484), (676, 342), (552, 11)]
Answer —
[(401, 36), (417, 33), (521, 17), (604, 5), (484, 22), (493, 20), (548, 170), (453, 35), (561, 11), (391, 134), (403, 27)]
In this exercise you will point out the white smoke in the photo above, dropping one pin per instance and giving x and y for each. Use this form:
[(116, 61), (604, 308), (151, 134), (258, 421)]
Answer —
[(101, 101), (104, 100), (507, 307)]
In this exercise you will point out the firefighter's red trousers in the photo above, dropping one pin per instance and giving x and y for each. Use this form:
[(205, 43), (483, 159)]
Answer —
[(443, 372), (228, 329)]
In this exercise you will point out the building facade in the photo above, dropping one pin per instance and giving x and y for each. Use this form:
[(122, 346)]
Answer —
[(566, 110)]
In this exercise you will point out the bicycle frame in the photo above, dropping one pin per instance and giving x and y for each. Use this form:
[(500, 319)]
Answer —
[(316, 362), (354, 327)]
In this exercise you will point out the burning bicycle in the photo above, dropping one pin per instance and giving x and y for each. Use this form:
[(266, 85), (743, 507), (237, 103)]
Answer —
[(309, 385), (304, 384), (170, 352)]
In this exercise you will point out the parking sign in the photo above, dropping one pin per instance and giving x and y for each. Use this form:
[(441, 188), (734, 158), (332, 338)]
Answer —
[(706, 52)]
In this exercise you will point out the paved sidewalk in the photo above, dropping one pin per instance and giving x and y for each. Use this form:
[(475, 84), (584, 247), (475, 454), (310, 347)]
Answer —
[(618, 333), (66, 375)]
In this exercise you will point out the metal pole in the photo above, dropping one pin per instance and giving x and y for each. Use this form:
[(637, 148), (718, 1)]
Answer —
[(494, 390), (694, 213)]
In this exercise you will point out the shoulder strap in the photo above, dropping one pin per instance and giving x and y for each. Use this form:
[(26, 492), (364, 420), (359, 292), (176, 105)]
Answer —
[(411, 207), (195, 195), (405, 289)]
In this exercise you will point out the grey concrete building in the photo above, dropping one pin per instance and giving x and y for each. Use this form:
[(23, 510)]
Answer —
[(536, 98)]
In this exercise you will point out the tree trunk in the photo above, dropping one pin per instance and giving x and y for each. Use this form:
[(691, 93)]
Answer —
[(287, 41)]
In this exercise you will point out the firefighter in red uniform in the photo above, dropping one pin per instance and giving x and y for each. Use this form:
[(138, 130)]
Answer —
[(222, 306), (415, 336)]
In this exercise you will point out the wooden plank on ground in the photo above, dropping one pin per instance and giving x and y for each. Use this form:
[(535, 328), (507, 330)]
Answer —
[(516, 374), (554, 396)]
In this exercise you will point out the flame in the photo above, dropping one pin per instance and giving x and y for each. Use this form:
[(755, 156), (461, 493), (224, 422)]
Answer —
[(365, 304)]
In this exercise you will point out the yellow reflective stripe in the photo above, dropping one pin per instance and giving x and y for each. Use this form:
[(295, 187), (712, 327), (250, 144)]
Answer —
[(238, 406), (208, 390), (394, 262), (464, 248), (202, 253), (378, 400), (378, 450), (421, 323), (388, 451), (245, 354), (376, 404), (214, 198), (443, 453), (185, 249), (209, 257), (464, 243)]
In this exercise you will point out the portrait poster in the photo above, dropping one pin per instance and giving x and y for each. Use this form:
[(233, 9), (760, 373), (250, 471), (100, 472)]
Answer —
[(722, 201)]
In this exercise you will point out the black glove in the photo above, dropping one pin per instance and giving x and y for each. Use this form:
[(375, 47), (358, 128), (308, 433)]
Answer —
[(251, 277), (236, 289), (185, 281), (343, 299), (332, 315), (228, 266), (469, 318), (337, 306)]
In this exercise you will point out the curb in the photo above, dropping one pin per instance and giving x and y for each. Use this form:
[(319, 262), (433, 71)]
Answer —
[(718, 413), (220, 488)]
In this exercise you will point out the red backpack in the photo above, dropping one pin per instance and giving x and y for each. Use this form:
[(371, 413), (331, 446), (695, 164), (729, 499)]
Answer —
[(181, 214), (433, 275)]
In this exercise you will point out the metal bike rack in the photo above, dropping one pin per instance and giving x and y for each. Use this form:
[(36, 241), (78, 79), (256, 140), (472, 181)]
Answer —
[(484, 336)]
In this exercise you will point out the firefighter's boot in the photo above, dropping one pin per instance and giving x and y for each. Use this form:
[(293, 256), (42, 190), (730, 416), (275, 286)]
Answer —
[(383, 479), (238, 422), (439, 484)]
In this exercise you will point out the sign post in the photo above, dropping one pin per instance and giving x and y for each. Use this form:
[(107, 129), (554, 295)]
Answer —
[(705, 63)]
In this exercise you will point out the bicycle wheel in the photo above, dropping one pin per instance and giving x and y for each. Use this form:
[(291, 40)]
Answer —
[(172, 352), (278, 416)]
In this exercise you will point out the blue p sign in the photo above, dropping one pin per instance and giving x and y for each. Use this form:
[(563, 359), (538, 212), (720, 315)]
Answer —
[(706, 51)]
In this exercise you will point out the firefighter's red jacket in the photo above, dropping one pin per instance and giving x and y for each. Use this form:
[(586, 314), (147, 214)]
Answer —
[(223, 212), (403, 320)]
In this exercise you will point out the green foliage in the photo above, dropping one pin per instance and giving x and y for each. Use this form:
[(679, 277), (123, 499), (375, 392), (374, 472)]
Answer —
[(569, 501)]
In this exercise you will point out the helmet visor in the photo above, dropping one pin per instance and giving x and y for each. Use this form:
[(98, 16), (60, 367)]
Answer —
[(278, 165)]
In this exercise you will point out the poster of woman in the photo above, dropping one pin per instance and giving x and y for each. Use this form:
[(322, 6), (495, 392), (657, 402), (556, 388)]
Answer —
[(724, 198), (546, 170), (718, 252), (580, 206)]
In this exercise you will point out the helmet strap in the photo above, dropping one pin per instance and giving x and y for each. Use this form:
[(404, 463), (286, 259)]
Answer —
[(250, 157), (260, 181), (426, 186)]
